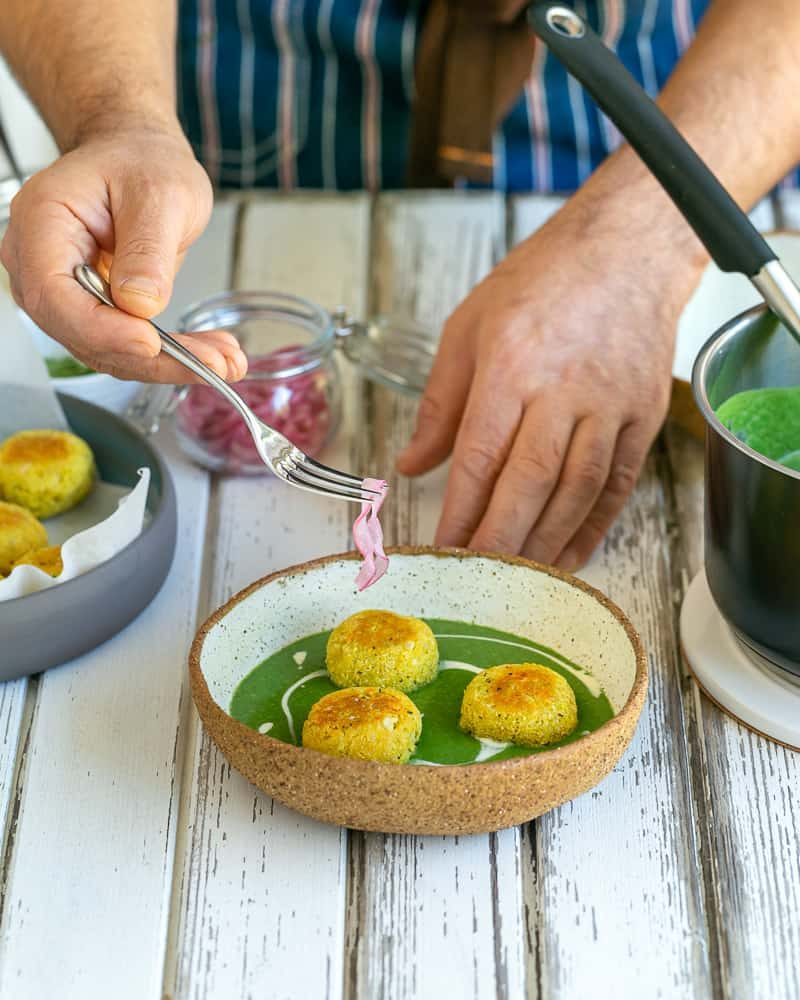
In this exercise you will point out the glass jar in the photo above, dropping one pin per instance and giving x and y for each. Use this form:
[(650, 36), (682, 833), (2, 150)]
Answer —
[(293, 381)]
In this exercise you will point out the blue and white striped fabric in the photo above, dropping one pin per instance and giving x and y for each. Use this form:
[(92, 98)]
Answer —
[(317, 93), (298, 93)]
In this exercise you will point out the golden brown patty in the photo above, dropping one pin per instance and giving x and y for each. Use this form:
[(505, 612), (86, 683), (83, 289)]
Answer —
[(45, 471), (382, 649), (48, 559), (19, 533), (522, 703), (367, 723)]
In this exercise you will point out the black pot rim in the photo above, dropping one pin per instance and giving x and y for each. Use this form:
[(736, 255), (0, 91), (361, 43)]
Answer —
[(729, 331)]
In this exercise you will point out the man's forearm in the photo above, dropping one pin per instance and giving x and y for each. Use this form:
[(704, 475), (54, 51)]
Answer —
[(91, 67), (733, 96)]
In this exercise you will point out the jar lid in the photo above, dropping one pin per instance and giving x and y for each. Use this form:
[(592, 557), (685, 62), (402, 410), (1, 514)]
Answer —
[(295, 332), (393, 351)]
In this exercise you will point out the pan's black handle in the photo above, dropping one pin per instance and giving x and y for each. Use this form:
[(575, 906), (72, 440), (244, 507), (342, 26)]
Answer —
[(723, 227)]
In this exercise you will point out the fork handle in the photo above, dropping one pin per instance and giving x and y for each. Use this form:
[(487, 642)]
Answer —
[(88, 278)]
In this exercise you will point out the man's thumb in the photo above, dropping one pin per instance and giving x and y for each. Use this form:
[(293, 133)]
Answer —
[(146, 247)]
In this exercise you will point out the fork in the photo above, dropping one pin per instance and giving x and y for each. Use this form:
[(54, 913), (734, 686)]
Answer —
[(277, 452)]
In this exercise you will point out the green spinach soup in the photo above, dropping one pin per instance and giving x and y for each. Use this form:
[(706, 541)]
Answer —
[(768, 420), (277, 695)]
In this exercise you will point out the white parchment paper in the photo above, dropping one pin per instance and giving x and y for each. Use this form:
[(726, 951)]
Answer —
[(90, 547)]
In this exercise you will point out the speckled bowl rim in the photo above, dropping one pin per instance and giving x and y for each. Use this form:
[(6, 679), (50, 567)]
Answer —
[(361, 768)]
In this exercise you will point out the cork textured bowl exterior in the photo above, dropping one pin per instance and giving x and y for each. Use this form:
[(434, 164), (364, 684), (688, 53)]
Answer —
[(500, 592)]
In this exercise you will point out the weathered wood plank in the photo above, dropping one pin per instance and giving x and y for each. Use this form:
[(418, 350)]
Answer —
[(93, 851), (430, 249), (434, 917), (529, 212), (747, 803), (260, 891), (17, 700), (12, 706), (612, 879), (430, 917), (14, 695), (93, 847), (640, 912)]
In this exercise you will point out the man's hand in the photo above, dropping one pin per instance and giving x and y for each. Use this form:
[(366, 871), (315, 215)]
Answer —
[(552, 379), (553, 376), (133, 203)]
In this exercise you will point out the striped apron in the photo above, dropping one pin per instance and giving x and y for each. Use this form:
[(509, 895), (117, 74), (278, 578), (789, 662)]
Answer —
[(317, 93)]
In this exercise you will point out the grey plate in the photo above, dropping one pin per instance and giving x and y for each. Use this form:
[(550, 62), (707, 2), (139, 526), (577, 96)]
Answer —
[(55, 625)]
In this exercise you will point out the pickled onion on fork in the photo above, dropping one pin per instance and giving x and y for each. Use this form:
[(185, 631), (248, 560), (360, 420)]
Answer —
[(368, 536)]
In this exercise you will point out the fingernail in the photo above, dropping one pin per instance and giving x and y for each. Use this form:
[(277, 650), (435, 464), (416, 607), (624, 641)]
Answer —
[(237, 367), (141, 286)]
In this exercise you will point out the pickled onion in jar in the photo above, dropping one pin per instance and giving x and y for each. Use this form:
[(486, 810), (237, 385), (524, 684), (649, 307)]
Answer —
[(296, 405)]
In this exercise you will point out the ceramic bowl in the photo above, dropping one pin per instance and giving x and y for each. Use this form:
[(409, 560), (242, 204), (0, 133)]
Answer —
[(111, 393), (506, 593), (102, 390), (52, 626)]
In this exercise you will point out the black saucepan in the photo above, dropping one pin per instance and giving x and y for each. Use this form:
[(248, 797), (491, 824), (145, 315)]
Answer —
[(752, 556)]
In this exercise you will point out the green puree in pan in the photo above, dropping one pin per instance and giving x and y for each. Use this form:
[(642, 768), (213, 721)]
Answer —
[(768, 420), (276, 697)]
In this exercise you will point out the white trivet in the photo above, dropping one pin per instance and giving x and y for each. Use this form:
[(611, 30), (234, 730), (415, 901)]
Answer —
[(761, 696)]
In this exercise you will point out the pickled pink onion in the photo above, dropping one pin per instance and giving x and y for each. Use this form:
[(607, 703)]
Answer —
[(296, 405), (368, 536)]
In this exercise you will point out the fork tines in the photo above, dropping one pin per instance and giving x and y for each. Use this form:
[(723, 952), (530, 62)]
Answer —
[(315, 476)]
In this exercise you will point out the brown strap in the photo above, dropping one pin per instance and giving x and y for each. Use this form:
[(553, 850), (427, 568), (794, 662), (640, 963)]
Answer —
[(472, 61)]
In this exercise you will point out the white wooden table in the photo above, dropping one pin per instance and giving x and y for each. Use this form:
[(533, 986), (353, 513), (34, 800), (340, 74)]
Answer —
[(137, 865)]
